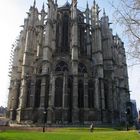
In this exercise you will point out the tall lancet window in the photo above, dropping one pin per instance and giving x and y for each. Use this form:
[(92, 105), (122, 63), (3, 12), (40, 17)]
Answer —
[(91, 94), (81, 35), (58, 92), (65, 33), (70, 87), (58, 34), (106, 91), (80, 94), (28, 80), (37, 93)]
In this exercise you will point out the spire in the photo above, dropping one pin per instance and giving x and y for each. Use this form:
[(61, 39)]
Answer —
[(43, 7), (87, 5), (74, 2), (55, 2), (34, 3), (98, 9), (67, 4), (87, 13), (94, 2)]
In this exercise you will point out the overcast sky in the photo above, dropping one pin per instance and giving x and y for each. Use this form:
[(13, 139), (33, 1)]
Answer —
[(12, 14)]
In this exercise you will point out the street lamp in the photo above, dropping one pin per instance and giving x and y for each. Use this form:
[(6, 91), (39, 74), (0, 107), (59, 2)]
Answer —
[(126, 120), (44, 120)]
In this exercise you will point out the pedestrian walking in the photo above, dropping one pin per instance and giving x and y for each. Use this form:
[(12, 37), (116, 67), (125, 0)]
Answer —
[(91, 127)]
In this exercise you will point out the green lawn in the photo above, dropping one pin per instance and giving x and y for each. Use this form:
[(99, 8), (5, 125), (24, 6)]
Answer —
[(71, 134)]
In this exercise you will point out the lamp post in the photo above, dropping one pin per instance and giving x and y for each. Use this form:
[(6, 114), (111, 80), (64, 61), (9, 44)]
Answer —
[(126, 120), (44, 120)]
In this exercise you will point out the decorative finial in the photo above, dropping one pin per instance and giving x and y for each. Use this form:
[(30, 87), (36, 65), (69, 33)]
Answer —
[(104, 13), (34, 3)]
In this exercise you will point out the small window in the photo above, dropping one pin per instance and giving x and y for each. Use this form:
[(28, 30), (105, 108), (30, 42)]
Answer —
[(82, 68), (62, 66)]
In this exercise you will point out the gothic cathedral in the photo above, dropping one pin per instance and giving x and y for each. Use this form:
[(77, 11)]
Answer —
[(68, 65)]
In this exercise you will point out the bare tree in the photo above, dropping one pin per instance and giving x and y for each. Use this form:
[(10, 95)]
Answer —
[(127, 14)]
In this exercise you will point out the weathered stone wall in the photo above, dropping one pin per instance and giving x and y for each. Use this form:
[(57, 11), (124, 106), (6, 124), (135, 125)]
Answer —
[(84, 81)]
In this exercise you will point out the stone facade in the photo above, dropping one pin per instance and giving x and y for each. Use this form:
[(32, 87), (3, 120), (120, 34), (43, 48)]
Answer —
[(68, 63)]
